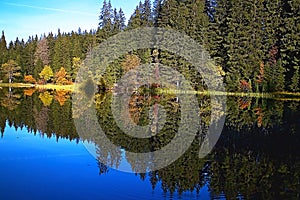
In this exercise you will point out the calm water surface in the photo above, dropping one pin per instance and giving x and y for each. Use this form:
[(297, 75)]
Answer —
[(43, 157)]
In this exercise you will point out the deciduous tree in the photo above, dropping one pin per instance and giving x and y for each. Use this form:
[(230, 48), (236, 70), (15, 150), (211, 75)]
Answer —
[(46, 74), (11, 69)]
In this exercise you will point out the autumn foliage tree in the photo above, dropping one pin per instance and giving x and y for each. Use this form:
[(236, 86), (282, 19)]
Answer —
[(29, 79), (131, 61), (46, 74), (11, 69), (61, 77)]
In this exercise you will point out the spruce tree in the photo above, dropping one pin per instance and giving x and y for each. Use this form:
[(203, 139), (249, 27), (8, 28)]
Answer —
[(3, 49)]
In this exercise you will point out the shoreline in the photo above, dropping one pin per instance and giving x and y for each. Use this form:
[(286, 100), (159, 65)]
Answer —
[(37, 86), (272, 95)]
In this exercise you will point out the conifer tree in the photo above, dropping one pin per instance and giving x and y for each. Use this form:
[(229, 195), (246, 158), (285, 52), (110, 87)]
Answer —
[(3, 49)]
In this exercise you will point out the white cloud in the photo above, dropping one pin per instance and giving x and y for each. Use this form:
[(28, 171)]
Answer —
[(52, 9)]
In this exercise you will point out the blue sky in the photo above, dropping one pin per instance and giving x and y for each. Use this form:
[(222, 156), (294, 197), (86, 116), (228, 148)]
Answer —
[(22, 18)]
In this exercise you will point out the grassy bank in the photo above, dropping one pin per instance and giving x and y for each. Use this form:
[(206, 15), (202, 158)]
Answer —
[(46, 87), (274, 95), (55, 87), (271, 95), (17, 85)]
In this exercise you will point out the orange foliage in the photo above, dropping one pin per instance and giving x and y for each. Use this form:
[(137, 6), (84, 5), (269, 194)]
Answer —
[(29, 92), (244, 103), (62, 96), (260, 116), (29, 79), (61, 77), (131, 61)]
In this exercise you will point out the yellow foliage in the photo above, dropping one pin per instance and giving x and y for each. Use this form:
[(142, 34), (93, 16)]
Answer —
[(131, 61), (46, 98), (46, 73)]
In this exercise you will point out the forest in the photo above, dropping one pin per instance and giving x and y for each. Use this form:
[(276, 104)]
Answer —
[(254, 43)]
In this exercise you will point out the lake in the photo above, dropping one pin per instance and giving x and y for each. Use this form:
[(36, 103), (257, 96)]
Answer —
[(43, 157)]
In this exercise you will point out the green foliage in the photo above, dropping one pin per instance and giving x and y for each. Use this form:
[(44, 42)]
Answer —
[(240, 36), (294, 86), (3, 49)]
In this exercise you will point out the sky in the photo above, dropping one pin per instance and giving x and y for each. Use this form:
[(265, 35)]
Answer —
[(24, 18)]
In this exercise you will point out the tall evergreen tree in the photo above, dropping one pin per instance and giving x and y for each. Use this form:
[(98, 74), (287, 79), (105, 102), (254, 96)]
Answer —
[(146, 14), (135, 19), (29, 51), (157, 5), (106, 22), (3, 49), (290, 40)]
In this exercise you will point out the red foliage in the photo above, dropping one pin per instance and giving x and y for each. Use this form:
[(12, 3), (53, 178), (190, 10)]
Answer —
[(244, 103), (245, 86), (260, 116)]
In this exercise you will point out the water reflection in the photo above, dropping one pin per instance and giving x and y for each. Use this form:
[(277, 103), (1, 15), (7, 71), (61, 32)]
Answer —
[(256, 157)]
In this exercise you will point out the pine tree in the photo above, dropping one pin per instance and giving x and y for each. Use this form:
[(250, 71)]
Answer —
[(106, 22), (146, 14), (118, 21), (122, 19), (290, 40), (62, 53), (3, 49), (29, 51), (157, 6), (295, 82), (135, 19), (105, 17)]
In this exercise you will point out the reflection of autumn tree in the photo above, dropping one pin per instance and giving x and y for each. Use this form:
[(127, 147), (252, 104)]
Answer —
[(61, 96), (260, 116), (46, 98), (29, 92), (10, 100), (250, 111), (244, 103)]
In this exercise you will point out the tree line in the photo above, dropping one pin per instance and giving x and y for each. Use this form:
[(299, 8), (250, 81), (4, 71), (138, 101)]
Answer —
[(253, 43)]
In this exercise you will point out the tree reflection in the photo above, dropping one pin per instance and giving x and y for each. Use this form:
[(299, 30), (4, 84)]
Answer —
[(257, 156), (10, 99)]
